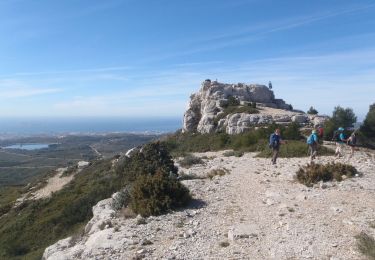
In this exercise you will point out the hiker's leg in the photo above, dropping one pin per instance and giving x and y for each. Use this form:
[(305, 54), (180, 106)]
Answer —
[(315, 150), (341, 149), (275, 155), (352, 151)]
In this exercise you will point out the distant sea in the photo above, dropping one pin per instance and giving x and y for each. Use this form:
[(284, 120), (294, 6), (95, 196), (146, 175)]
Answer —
[(86, 125)]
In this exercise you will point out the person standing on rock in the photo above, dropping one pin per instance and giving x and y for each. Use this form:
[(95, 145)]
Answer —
[(313, 141), (275, 142)]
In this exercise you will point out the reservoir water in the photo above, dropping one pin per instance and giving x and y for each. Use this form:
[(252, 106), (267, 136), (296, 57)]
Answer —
[(28, 147)]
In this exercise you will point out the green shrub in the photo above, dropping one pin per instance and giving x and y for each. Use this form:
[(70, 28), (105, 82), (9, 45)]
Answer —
[(156, 194), (232, 101), (121, 199), (190, 160), (314, 173), (5, 209), (366, 245), (340, 118), (153, 157), (368, 127), (312, 111), (292, 132), (181, 143)]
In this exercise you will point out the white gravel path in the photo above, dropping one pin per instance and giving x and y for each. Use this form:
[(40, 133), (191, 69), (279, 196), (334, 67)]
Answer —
[(258, 211)]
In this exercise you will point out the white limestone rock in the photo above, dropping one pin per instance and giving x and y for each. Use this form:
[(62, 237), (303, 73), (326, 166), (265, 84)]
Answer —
[(300, 118), (210, 102)]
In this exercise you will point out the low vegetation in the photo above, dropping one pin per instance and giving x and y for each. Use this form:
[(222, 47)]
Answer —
[(190, 160), (341, 117), (366, 245), (157, 194), (312, 111), (217, 172), (181, 143), (25, 231), (255, 140), (367, 130), (294, 149), (233, 153), (313, 173)]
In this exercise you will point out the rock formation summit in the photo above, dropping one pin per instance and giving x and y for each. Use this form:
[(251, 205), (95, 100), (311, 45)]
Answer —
[(227, 107)]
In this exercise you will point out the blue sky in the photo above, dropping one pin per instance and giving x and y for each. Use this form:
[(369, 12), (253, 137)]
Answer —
[(144, 58)]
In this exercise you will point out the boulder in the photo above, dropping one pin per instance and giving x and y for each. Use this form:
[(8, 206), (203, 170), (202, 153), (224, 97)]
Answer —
[(300, 118)]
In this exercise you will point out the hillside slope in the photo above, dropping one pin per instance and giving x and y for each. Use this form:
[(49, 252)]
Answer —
[(257, 211)]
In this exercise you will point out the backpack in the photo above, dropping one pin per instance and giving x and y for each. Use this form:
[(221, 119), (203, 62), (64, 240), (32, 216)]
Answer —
[(310, 139), (273, 143), (336, 136)]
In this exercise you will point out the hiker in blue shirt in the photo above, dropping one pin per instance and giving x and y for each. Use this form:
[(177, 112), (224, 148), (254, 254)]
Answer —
[(340, 141), (275, 141), (312, 141)]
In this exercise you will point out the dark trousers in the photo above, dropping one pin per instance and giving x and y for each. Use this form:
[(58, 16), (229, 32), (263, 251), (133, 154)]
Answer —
[(275, 154)]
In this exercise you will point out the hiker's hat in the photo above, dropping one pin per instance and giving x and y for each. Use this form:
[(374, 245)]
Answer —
[(314, 131), (341, 129)]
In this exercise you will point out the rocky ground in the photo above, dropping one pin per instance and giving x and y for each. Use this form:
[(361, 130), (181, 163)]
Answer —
[(255, 211)]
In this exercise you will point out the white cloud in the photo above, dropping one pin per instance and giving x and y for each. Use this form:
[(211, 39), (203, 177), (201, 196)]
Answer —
[(16, 89), (73, 71)]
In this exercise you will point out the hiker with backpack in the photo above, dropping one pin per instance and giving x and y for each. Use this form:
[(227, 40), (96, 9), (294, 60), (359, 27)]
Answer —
[(274, 144), (339, 138), (320, 133), (352, 141), (313, 141)]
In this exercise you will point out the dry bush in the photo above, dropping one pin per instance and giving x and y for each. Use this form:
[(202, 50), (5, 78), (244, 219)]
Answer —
[(217, 172), (190, 160), (366, 245), (313, 173)]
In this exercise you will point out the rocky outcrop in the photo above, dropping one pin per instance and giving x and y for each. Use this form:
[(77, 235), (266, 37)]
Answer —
[(209, 103)]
